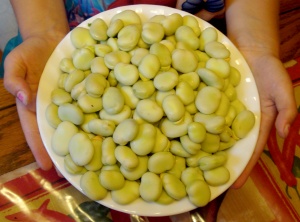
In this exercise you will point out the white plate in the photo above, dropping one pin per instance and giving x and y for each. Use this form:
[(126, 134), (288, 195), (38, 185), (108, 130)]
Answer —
[(239, 155)]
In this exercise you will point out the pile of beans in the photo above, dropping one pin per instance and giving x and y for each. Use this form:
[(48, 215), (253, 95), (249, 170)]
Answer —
[(147, 109)]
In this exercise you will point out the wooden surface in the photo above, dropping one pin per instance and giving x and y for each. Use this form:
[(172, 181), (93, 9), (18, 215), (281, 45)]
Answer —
[(14, 151)]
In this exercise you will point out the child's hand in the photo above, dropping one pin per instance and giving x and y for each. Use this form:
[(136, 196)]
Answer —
[(276, 99), (23, 68)]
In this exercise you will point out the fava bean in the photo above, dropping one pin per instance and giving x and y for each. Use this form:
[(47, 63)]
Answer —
[(101, 50), (138, 172), (207, 35), (81, 37), (95, 84), (193, 160), (81, 149), (191, 78), (187, 35), (113, 58), (199, 193), (113, 100), (126, 74), (90, 104), (127, 194), (173, 186), (184, 60), (173, 130), (213, 123), (83, 58), (161, 162), (71, 167), (87, 118), (189, 145), (211, 143), (96, 163), (130, 98), (114, 27), (151, 187), (52, 115), (108, 151), (74, 77), (196, 132), (66, 65), (191, 174), (62, 136), (235, 76), (173, 108), (163, 54), (144, 141), (165, 198), (126, 131), (243, 123), (217, 50), (185, 92), (126, 157), (70, 112), (177, 149), (230, 92), (217, 176), (112, 179), (143, 89), (192, 22), (128, 37), (149, 67), (128, 17), (224, 106), (161, 95), (212, 161), (208, 99), (219, 66), (91, 186), (149, 110), (152, 32), (125, 113), (98, 66), (165, 81), (210, 78), (98, 29), (137, 55), (171, 22), (162, 143), (178, 167), (101, 127)]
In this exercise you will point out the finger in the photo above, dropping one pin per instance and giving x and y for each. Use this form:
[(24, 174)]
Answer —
[(14, 78), (32, 135), (259, 147), (287, 112)]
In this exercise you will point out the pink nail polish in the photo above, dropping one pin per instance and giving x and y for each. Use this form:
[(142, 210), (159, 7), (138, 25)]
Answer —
[(21, 97)]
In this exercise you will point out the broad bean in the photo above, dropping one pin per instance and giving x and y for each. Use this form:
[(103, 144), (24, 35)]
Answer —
[(126, 131), (151, 187), (91, 186)]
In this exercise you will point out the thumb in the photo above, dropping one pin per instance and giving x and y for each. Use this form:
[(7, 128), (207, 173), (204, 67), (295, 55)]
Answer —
[(287, 112), (15, 78)]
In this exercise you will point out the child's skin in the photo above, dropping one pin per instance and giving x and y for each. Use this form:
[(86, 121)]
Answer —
[(251, 25)]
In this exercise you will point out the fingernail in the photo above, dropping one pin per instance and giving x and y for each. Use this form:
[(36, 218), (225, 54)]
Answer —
[(286, 130), (22, 97)]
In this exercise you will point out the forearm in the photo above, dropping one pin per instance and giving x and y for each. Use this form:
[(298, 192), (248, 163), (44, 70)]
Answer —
[(36, 17), (254, 25)]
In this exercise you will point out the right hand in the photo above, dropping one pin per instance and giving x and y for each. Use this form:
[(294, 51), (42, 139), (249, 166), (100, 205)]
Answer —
[(22, 71)]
